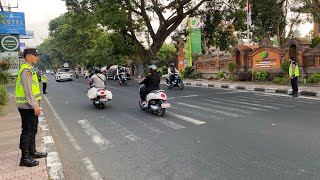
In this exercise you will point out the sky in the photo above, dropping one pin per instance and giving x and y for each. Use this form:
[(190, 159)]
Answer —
[(38, 14)]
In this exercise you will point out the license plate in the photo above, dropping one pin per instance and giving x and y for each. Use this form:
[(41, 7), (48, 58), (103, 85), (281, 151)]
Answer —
[(165, 105)]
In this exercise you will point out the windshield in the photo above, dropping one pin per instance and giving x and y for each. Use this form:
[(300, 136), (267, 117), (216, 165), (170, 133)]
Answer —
[(64, 70)]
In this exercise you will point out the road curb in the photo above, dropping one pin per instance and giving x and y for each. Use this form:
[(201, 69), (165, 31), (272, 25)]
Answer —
[(54, 166), (252, 88)]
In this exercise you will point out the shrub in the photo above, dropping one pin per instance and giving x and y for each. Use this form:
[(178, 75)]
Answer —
[(273, 75), (220, 75), (315, 78), (260, 75), (186, 72), (285, 66), (5, 77), (244, 76), (232, 67), (197, 75), (3, 95), (4, 65), (280, 80)]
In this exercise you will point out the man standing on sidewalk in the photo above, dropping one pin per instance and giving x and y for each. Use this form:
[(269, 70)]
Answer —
[(44, 80), (28, 101), (294, 74)]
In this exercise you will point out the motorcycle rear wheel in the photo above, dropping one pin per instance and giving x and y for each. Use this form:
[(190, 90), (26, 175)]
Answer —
[(161, 112)]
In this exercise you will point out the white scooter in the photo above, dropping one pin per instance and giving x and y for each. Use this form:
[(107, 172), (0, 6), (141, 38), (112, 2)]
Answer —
[(99, 96), (156, 102)]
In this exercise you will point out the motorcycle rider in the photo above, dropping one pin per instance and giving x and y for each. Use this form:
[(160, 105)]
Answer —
[(122, 71), (98, 80), (172, 71), (151, 82)]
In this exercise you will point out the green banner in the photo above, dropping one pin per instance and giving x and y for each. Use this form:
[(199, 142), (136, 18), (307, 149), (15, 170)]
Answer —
[(194, 37)]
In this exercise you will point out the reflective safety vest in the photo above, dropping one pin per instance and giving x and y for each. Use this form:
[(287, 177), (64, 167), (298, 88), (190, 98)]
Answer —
[(20, 96), (44, 79), (296, 70)]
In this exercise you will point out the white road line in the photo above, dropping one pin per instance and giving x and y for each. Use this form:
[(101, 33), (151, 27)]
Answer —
[(188, 119), (227, 108), (228, 92), (246, 107), (211, 110), (197, 114), (94, 174), (291, 98), (178, 97), (268, 101), (124, 131), (168, 123), (145, 125), (96, 137), (259, 105)]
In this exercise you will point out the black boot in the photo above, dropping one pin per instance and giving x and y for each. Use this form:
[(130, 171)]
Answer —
[(28, 161), (36, 155)]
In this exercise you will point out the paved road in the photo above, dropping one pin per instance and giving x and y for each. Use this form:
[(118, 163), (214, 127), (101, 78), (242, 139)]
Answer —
[(208, 134)]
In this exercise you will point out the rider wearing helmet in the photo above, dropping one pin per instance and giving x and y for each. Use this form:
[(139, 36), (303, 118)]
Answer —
[(171, 72), (98, 80), (122, 71), (151, 82)]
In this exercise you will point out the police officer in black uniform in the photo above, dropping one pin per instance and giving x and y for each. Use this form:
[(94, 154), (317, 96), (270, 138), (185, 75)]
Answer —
[(28, 103)]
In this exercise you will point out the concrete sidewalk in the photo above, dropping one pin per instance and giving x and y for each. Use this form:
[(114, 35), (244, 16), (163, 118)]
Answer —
[(10, 128), (254, 86)]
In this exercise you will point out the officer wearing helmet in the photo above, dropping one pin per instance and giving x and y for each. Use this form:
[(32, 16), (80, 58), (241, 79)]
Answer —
[(151, 82), (98, 80), (172, 71)]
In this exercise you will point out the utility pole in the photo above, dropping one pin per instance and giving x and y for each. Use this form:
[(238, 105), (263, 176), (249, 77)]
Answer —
[(1, 6)]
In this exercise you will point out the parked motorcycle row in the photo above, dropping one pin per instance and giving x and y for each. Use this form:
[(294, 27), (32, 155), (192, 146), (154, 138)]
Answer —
[(156, 100)]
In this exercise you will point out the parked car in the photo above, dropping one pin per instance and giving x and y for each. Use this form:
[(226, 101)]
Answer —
[(113, 72), (64, 74)]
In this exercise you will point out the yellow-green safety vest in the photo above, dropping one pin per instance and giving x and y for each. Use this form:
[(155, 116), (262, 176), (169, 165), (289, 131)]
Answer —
[(296, 70), (44, 79), (20, 96)]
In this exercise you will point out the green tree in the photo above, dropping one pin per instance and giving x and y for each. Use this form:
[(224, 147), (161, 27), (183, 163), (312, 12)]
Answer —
[(167, 54), (224, 22), (133, 18), (268, 19)]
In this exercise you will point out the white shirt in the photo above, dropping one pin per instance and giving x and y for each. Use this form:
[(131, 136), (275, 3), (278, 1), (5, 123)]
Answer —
[(98, 82)]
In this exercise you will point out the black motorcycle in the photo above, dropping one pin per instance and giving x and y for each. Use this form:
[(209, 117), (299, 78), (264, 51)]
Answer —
[(177, 82)]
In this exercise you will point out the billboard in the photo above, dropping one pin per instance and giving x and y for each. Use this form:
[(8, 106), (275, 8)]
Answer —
[(194, 28), (12, 23)]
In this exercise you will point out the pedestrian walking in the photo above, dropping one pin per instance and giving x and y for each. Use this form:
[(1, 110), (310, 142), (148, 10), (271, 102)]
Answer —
[(44, 80), (294, 74), (28, 102)]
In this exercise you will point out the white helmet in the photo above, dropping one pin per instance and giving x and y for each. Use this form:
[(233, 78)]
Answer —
[(153, 67)]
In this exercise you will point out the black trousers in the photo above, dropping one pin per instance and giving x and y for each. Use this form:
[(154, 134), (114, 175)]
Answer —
[(29, 130), (294, 84), (143, 93), (171, 78), (44, 87)]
